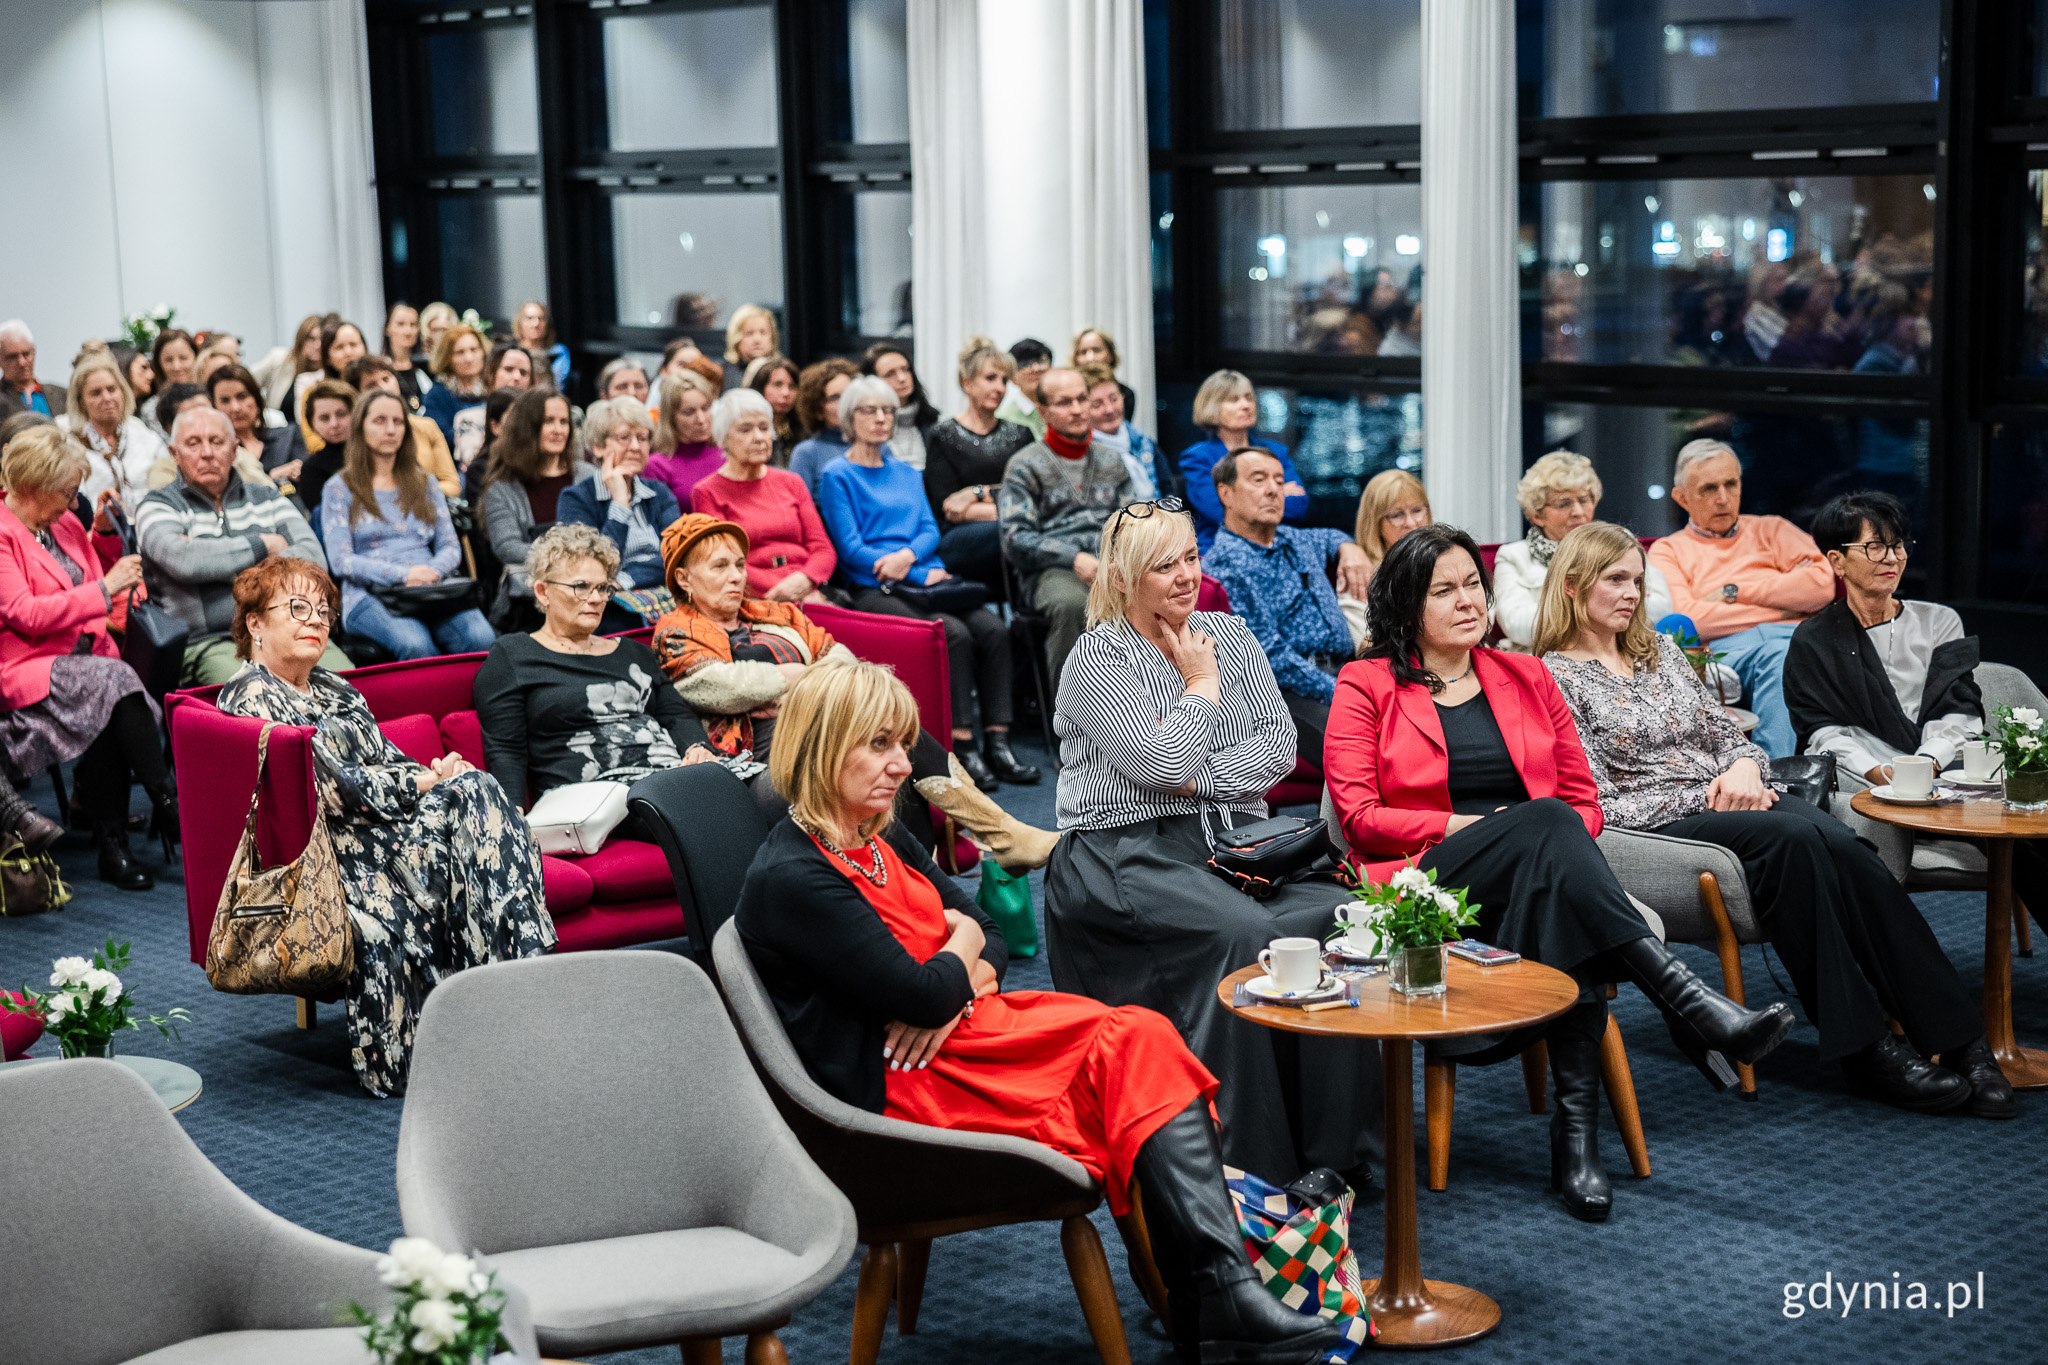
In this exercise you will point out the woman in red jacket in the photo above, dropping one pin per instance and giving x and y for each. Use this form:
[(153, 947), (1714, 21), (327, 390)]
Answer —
[(1465, 761)]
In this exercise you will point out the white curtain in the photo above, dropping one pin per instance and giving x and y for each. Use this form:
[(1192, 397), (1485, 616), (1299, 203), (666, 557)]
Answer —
[(948, 240), (1471, 343), (359, 264)]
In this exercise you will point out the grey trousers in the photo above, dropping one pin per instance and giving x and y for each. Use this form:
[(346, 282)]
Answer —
[(1062, 598)]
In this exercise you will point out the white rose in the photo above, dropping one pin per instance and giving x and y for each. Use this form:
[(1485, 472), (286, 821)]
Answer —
[(101, 980), (69, 971), (2028, 743), (55, 1007), (447, 1276), (2026, 715), (410, 1259), (1446, 902), (435, 1324), (1410, 879)]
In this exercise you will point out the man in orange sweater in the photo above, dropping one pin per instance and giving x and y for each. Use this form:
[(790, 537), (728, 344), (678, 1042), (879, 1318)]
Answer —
[(1746, 582)]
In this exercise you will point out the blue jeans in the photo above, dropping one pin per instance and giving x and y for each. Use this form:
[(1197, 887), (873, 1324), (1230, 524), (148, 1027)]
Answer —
[(972, 550), (465, 632), (1758, 656)]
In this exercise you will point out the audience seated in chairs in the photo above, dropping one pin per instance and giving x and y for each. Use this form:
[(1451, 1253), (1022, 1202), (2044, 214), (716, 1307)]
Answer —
[(197, 533), (750, 335), (789, 556), (330, 410), (101, 415), (386, 527), (622, 378), (1030, 358), (1229, 407), (65, 690), (874, 505), (1280, 580), (1093, 347), (1392, 504), (1559, 492), (1463, 761), (1140, 453), (889, 361), (458, 368), (437, 866), (1057, 495), (775, 378), (965, 457), (1745, 582), (888, 979), (630, 510), (1667, 758), (276, 452), (817, 414), (684, 450), (533, 460), (1171, 725), (371, 372)]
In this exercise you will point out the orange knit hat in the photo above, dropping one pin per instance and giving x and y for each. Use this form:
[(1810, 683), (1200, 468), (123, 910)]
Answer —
[(682, 535)]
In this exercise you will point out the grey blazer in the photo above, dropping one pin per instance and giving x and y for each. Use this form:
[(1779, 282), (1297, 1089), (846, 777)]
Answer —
[(508, 521)]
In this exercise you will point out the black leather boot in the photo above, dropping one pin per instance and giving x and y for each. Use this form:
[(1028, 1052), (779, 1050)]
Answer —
[(163, 802), (116, 864), (995, 747), (1990, 1091), (1709, 1028), (35, 830), (1891, 1071), (970, 759), (1217, 1304), (1575, 1170)]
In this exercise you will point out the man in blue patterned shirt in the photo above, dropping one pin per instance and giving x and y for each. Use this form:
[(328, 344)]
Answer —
[(1279, 580)]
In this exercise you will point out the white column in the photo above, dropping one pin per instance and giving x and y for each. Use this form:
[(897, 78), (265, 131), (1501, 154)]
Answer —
[(948, 236), (1471, 347)]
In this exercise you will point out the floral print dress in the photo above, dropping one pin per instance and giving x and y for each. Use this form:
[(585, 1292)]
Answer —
[(435, 881)]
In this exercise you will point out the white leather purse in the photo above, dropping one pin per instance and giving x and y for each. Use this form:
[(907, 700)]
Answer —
[(578, 817)]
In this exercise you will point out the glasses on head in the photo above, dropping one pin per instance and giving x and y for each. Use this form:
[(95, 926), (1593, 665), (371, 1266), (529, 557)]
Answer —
[(1878, 551), (873, 410), (1138, 511), (1571, 502), (584, 592), (305, 612)]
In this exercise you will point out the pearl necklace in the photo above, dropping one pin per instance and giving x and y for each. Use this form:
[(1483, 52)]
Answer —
[(878, 877)]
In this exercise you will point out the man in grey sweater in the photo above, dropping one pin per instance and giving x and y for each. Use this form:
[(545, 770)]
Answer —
[(197, 533)]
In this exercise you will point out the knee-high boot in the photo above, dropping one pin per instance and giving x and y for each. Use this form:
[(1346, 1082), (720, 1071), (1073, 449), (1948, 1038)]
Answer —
[(1216, 1301), (1575, 1170), (1708, 1027)]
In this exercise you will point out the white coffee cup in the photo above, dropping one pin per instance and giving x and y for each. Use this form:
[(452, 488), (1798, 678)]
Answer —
[(1360, 941), (1981, 762), (1293, 964), (1912, 775)]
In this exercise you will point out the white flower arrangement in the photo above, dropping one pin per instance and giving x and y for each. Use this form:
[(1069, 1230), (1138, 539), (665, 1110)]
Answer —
[(143, 328), (2021, 735), (1408, 911), (88, 1004), (449, 1312)]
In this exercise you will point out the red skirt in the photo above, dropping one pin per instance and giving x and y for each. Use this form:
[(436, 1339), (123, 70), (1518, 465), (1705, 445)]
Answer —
[(1087, 1080)]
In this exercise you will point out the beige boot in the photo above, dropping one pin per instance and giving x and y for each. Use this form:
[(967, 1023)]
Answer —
[(1016, 846)]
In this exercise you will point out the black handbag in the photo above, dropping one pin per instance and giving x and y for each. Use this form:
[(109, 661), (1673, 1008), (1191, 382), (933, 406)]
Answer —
[(1260, 858), (1810, 777), (952, 596), (153, 644), (427, 601)]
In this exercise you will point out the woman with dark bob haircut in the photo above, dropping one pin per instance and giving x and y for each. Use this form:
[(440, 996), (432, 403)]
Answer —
[(1464, 761)]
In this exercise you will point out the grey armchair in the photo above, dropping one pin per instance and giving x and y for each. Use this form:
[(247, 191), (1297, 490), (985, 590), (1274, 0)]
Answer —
[(910, 1184), (129, 1245), (591, 1124)]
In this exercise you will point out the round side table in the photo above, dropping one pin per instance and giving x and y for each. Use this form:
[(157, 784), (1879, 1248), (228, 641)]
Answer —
[(176, 1084), (1409, 1310), (1989, 820)]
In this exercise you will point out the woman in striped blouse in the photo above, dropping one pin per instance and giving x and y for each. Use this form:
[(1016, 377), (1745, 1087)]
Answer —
[(1171, 729)]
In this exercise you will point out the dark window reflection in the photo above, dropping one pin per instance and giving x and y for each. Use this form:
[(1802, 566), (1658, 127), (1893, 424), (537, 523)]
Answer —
[(2033, 357), (1322, 269), (492, 253), (1339, 439), (480, 86), (2016, 530), (1318, 63)]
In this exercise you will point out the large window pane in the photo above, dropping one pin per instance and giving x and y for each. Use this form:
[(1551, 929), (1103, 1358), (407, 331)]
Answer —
[(2033, 357), (1318, 63), (1325, 269), (493, 256), (688, 260), (877, 277), (1791, 462), (1339, 439), (699, 78), (2016, 534), (481, 86), (878, 70), (1800, 273), (1582, 58)]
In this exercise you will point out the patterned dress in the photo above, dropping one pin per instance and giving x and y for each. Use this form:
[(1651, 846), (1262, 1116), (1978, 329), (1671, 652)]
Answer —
[(435, 881)]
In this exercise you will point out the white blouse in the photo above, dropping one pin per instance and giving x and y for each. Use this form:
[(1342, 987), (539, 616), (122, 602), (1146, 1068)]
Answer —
[(1904, 645), (1518, 590)]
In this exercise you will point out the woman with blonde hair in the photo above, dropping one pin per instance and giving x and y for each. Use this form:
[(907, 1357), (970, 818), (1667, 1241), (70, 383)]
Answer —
[(965, 457), (1667, 759), (100, 415), (750, 335), (683, 449), (457, 364), (1172, 728), (1558, 493), (888, 979), (1393, 504), (1229, 407)]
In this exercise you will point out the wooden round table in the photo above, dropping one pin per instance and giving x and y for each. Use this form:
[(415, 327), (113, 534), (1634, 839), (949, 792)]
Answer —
[(1409, 1310), (1989, 820)]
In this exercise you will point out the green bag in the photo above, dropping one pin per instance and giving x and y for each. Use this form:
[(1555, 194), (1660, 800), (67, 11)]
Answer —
[(1007, 901)]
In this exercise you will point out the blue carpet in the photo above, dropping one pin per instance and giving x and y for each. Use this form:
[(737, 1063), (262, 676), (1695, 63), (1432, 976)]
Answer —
[(1746, 1198)]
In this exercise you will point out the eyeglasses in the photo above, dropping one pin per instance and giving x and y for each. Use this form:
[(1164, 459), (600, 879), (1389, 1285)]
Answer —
[(1408, 516), (1570, 502), (872, 410), (1138, 511), (1877, 551), (584, 591), (304, 612)]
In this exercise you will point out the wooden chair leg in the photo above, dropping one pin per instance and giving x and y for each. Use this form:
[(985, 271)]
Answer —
[(912, 1260), (1621, 1098), (871, 1302), (1144, 1269), (309, 1012), (1536, 1075), (1439, 1095), (1730, 953), (701, 1351), (1090, 1271), (765, 1348)]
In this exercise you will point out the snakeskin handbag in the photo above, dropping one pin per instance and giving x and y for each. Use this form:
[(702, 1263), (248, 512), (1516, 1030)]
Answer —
[(281, 930)]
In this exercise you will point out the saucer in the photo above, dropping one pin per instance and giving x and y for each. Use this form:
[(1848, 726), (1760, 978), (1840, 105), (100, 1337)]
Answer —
[(1954, 778), (1886, 794), (1262, 988), (1344, 952)]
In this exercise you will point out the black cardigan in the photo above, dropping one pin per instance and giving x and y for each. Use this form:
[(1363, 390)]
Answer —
[(838, 977), (1831, 679)]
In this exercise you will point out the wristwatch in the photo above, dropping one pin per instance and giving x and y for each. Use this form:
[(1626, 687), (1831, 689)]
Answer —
[(1727, 592)]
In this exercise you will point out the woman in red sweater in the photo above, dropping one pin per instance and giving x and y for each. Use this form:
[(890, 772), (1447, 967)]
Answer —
[(1465, 761), (790, 555)]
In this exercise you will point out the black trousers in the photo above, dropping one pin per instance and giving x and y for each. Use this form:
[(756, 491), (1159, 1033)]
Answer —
[(977, 652), (128, 748), (1856, 945), (1311, 720)]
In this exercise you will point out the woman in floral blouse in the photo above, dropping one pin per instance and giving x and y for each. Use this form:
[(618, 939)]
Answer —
[(437, 866), (1668, 759)]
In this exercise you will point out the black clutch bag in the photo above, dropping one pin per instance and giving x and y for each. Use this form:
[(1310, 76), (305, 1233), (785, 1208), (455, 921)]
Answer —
[(953, 596), (153, 644), (1260, 858), (1810, 777), (427, 601)]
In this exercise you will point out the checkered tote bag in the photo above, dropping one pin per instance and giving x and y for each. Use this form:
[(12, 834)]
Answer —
[(1303, 1254)]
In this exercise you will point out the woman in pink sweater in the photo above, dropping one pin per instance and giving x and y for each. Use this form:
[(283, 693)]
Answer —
[(789, 555)]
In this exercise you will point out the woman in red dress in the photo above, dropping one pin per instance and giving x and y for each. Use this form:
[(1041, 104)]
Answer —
[(888, 980)]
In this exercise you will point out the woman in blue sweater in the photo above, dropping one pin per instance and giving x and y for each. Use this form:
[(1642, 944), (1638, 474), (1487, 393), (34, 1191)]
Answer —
[(875, 508), (385, 525), (1227, 406)]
